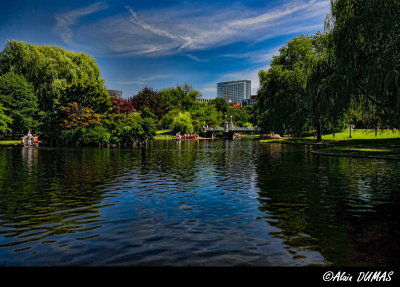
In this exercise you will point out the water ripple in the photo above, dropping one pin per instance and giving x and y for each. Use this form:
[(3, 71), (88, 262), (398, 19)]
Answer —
[(206, 203)]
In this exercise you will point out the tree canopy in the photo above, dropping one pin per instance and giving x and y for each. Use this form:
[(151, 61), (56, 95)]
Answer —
[(182, 123), (20, 103), (281, 100), (152, 99), (366, 44), (181, 97), (49, 68), (5, 120)]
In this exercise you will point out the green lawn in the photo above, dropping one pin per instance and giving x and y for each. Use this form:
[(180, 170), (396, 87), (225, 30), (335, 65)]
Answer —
[(249, 135), (363, 143), (390, 153), (361, 134), (164, 135), (358, 136), (9, 142)]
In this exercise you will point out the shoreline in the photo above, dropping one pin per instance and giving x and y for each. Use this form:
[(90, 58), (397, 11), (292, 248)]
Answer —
[(354, 155), (356, 148)]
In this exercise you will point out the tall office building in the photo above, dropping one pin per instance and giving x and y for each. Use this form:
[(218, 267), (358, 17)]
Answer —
[(234, 91), (115, 93)]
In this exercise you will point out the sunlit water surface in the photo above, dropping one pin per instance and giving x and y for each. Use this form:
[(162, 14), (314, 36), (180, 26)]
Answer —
[(202, 203)]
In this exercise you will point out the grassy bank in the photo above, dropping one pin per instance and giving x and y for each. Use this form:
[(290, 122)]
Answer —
[(368, 152), (360, 134), (164, 135), (9, 142), (357, 136), (363, 143)]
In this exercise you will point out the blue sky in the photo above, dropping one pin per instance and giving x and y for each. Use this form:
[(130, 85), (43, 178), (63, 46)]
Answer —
[(164, 43)]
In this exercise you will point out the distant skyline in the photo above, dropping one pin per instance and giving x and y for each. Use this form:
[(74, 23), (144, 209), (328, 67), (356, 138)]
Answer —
[(165, 43)]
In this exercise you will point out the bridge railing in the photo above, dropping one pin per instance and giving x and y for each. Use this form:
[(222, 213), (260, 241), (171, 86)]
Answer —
[(232, 129), (244, 129), (214, 129)]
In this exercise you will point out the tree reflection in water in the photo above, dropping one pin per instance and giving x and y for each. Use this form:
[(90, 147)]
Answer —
[(344, 208), (207, 202)]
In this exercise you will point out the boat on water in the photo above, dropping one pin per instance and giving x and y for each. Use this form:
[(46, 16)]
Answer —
[(178, 136), (30, 140), (237, 136)]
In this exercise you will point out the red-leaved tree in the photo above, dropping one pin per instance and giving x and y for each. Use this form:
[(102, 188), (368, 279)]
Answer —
[(120, 105)]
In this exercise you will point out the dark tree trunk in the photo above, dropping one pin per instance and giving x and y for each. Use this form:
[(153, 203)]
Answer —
[(319, 136)]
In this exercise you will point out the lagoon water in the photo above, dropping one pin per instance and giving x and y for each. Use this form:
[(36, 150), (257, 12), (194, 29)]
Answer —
[(197, 203)]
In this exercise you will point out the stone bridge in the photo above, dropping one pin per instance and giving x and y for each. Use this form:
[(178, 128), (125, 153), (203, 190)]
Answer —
[(229, 129)]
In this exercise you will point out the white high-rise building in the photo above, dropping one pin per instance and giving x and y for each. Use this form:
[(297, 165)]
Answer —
[(234, 91)]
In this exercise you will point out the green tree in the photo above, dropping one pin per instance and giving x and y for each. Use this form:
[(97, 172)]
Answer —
[(5, 120), (88, 94), (151, 99), (203, 114), (317, 95), (328, 109), (181, 97), (240, 116), (166, 121), (49, 69), (127, 128), (17, 96), (281, 104), (148, 122), (95, 135), (220, 104), (77, 116), (366, 44), (182, 123)]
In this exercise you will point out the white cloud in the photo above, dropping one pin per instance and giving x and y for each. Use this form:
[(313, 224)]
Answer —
[(66, 20), (195, 58), (189, 27), (256, 57), (143, 81)]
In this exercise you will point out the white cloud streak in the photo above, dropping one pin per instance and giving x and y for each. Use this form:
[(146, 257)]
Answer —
[(187, 28), (67, 20), (255, 57), (143, 81)]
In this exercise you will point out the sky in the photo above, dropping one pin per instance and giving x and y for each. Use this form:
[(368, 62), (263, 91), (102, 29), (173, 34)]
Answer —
[(161, 44)]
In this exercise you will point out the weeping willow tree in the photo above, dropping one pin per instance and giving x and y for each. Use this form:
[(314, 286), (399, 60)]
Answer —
[(281, 104), (366, 45), (5, 120), (329, 110), (49, 69), (58, 77)]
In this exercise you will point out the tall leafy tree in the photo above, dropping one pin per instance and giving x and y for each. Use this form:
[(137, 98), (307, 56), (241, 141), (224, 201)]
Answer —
[(152, 99), (87, 94), (49, 68), (182, 123), (77, 116), (324, 87), (121, 106), (240, 116), (281, 104), (5, 120), (181, 97), (17, 96), (366, 40), (204, 114), (166, 121), (127, 128), (220, 104)]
